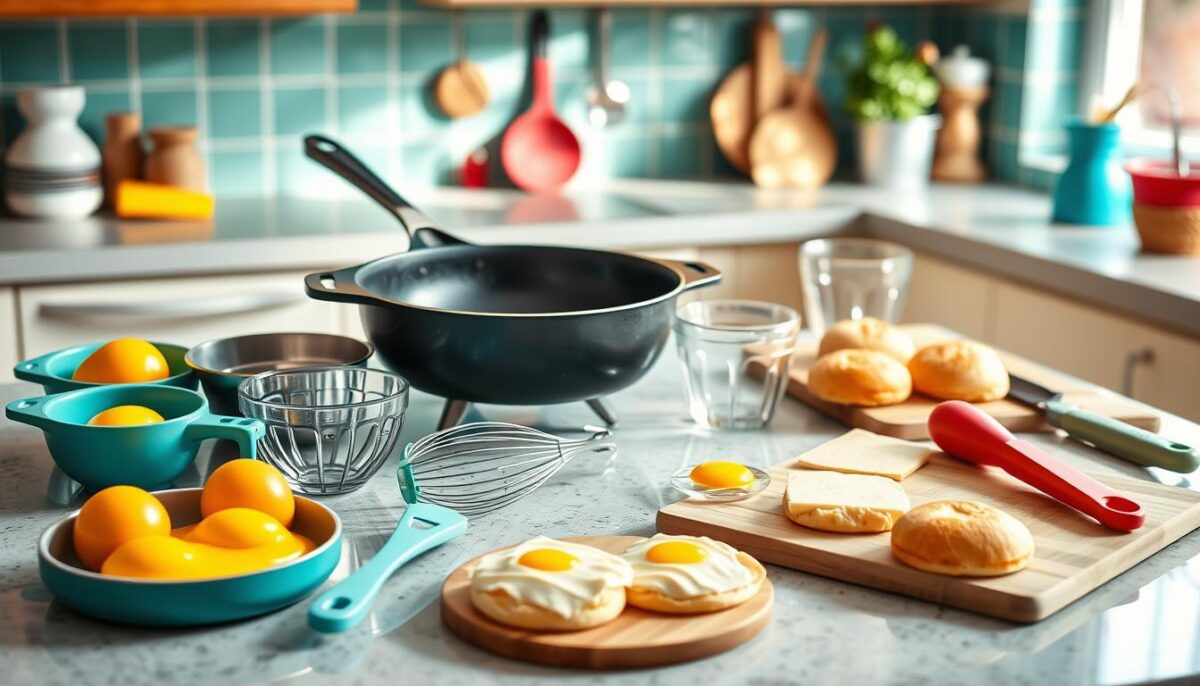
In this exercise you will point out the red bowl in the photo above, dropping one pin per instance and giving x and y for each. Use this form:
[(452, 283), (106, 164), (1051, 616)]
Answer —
[(1156, 183)]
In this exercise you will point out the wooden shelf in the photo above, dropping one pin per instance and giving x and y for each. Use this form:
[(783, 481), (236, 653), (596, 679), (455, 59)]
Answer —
[(46, 9), (505, 4)]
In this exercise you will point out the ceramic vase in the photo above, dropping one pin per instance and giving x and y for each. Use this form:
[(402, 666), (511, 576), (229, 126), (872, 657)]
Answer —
[(175, 160), (897, 154), (1093, 189), (52, 168)]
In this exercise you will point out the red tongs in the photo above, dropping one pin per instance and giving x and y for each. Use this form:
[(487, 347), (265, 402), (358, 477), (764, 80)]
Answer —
[(968, 433)]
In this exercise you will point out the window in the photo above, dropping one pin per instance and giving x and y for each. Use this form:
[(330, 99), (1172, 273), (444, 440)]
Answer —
[(1157, 44)]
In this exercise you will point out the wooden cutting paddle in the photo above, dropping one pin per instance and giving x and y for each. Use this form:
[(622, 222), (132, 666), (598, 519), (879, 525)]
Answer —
[(538, 152), (748, 92), (794, 145)]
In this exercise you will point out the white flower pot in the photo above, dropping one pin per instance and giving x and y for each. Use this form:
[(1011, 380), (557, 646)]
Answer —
[(897, 154)]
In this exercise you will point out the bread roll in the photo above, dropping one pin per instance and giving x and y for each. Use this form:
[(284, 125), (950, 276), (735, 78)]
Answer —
[(959, 370), (962, 538), (656, 601), (859, 377), (507, 610), (867, 333)]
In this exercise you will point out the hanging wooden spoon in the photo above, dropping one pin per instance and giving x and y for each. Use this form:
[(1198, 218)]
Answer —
[(460, 89), (794, 146)]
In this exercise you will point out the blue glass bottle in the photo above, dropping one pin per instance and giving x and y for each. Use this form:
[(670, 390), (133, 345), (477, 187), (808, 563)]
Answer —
[(1094, 189)]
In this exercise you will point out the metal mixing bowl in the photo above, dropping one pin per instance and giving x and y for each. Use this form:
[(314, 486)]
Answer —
[(224, 363), (328, 429)]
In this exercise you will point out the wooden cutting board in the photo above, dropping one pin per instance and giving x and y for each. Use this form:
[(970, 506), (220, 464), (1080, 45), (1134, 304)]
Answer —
[(1074, 554), (636, 639), (907, 420)]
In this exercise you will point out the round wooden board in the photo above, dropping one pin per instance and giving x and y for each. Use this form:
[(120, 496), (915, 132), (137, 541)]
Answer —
[(635, 639)]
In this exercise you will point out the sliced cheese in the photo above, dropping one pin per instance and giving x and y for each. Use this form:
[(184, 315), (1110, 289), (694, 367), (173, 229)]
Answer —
[(843, 503), (863, 452)]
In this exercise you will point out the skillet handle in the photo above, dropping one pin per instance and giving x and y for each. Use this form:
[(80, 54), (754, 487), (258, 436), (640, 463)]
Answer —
[(695, 274), (340, 290), (422, 231)]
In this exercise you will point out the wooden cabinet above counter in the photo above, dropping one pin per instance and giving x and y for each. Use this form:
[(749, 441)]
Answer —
[(49, 9)]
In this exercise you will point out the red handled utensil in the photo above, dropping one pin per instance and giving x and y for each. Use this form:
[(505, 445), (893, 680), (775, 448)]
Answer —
[(538, 152), (970, 434)]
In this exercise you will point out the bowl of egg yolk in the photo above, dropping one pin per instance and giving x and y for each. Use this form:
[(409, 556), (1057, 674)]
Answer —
[(242, 546), (138, 435), (120, 361)]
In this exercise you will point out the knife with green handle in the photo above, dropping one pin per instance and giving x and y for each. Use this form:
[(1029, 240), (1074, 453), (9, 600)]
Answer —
[(1113, 436)]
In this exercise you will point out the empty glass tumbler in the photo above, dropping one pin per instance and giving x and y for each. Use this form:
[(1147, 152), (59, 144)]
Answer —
[(852, 278), (735, 356)]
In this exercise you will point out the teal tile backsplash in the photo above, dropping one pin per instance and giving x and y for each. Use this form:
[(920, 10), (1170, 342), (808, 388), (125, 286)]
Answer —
[(254, 86)]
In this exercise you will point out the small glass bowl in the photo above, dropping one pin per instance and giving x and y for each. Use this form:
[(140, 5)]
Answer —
[(682, 481)]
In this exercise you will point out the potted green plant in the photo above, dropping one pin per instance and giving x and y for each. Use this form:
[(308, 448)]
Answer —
[(889, 93)]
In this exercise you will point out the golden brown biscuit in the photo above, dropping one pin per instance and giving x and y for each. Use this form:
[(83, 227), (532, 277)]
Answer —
[(656, 601), (868, 333), (859, 377), (507, 610), (962, 538), (959, 370)]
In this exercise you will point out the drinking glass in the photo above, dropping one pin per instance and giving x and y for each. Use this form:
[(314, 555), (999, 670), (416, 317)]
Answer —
[(735, 356), (852, 278)]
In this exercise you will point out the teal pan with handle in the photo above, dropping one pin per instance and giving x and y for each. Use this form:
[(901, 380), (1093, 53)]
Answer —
[(53, 371), (187, 603), (149, 456)]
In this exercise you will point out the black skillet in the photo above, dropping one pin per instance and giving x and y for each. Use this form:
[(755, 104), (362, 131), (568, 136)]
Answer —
[(505, 324)]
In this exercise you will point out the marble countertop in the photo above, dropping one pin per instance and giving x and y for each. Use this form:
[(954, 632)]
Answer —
[(1139, 627), (998, 229)]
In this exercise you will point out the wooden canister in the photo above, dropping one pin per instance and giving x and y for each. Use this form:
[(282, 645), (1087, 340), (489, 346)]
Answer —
[(123, 155), (175, 161)]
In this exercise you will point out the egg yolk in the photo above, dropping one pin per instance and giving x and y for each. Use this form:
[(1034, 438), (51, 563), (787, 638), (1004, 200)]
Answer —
[(548, 560), (125, 360), (126, 415), (676, 552), (722, 475), (249, 484), (171, 557), (112, 518)]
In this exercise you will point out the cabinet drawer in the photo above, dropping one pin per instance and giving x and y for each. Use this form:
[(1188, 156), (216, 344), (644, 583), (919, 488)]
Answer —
[(184, 311), (10, 352), (1104, 349), (941, 293)]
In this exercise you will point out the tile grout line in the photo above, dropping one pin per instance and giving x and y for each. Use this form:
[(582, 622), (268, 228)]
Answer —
[(393, 155), (64, 54), (331, 81), (201, 82), (654, 106), (135, 74), (270, 168)]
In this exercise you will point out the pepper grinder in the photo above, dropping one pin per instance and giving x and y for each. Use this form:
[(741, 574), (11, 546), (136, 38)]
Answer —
[(964, 88)]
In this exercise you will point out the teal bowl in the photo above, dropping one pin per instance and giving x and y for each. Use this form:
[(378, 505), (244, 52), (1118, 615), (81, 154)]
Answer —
[(148, 456), (189, 603), (53, 371)]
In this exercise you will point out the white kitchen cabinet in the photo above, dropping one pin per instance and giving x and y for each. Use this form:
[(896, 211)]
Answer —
[(945, 294), (10, 350), (185, 311), (1152, 365)]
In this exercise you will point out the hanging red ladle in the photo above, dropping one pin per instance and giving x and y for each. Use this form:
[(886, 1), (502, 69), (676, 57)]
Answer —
[(538, 152), (970, 434)]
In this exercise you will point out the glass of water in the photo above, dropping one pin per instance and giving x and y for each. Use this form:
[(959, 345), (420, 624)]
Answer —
[(735, 356), (852, 278)]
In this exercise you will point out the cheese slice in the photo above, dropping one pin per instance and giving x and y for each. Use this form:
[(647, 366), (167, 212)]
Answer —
[(863, 452), (843, 503)]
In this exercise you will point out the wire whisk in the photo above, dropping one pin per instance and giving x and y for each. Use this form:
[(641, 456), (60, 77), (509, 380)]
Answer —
[(481, 467)]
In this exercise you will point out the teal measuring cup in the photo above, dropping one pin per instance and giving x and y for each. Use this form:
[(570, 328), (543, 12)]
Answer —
[(53, 371), (149, 456)]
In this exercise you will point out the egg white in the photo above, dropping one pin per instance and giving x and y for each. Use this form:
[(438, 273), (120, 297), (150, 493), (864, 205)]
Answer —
[(718, 572), (564, 593)]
